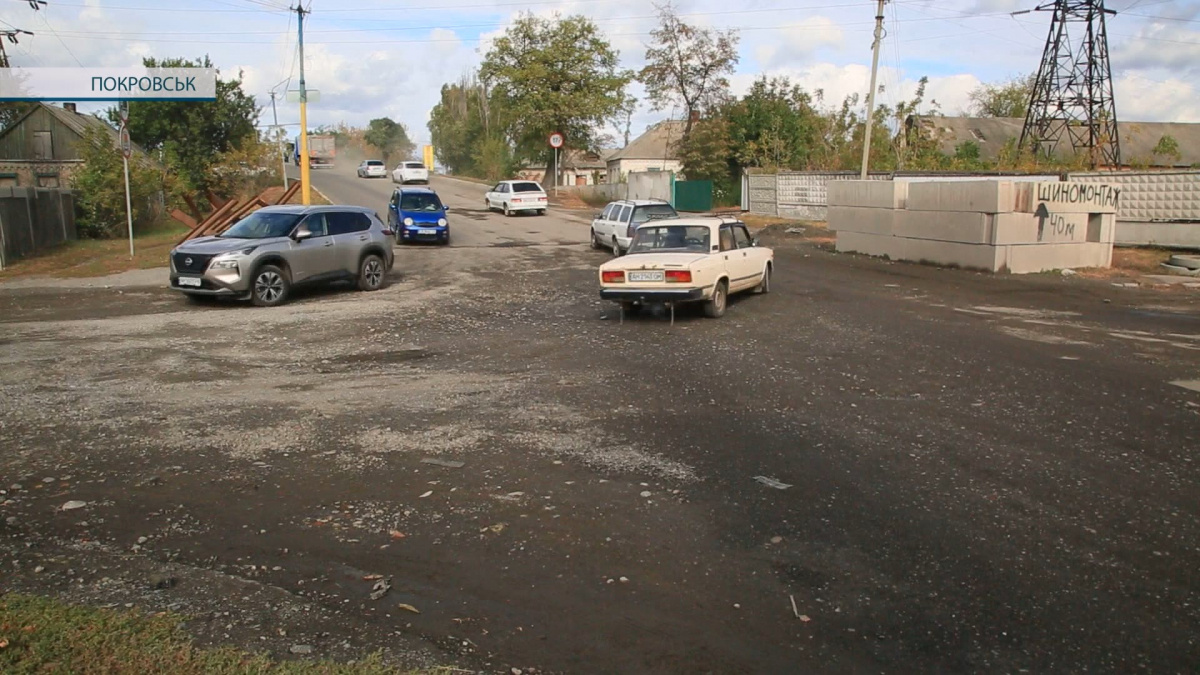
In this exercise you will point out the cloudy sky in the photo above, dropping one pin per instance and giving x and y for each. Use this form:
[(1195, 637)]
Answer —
[(372, 58)]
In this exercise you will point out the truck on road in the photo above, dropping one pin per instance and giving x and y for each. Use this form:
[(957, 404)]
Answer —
[(321, 151)]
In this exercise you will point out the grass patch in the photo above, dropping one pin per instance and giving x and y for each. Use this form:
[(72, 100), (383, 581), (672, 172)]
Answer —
[(39, 635), (100, 257), (1128, 262)]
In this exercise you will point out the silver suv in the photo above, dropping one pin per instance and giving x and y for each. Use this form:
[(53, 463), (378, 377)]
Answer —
[(275, 248)]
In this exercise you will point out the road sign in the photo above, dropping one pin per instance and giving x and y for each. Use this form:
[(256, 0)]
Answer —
[(556, 140), (123, 142), (310, 96)]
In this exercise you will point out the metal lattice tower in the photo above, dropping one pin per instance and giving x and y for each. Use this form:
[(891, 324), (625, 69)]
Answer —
[(1071, 110)]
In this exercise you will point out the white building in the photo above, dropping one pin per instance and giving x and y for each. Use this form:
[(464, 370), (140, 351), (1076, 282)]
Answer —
[(655, 150)]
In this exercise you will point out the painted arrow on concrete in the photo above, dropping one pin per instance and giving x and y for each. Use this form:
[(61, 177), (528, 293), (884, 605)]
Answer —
[(1042, 214)]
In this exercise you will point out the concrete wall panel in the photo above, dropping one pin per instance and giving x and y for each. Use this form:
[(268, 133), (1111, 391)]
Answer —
[(989, 196), (1034, 258), (859, 219), (879, 194), (970, 228)]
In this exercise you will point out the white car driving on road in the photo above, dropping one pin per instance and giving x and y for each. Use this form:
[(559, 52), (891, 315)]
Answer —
[(688, 260), (512, 196), (372, 168), (613, 227), (410, 172)]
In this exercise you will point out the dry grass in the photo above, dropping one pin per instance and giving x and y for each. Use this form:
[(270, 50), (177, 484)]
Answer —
[(1130, 262), (38, 635), (100, 257)]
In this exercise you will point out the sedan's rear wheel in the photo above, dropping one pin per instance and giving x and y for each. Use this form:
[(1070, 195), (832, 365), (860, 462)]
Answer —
[(616, 248), (370, 273), (715, 307), (271, 286), (507, 211)]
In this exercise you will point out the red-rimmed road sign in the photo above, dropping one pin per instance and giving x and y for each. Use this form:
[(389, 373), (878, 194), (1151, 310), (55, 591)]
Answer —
[(556, 140)]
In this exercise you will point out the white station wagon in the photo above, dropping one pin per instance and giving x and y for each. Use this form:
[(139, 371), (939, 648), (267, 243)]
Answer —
[(688, 260)]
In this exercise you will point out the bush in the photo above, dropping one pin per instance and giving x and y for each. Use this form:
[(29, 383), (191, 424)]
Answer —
[(100, 188)]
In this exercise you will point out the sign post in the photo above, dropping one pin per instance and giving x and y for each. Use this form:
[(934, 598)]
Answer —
[(126, 151), (556, 142)]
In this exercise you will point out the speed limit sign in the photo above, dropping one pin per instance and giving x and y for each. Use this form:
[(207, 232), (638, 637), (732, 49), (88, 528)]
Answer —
[(556, 140)]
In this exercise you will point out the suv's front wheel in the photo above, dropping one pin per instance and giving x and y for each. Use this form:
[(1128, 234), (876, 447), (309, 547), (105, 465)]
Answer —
[(370, 273), (271, 286)]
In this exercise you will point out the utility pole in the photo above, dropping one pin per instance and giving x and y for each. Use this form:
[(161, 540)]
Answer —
[(279, 141), (305, 170), (871, 94)]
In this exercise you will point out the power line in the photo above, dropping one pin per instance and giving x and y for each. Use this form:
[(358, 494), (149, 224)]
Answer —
[(61, 41)]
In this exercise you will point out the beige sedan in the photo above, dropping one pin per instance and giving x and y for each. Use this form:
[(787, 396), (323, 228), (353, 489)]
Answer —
[(688, 260)]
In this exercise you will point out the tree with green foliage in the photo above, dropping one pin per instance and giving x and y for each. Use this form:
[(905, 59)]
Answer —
[(1003, 99), (99, 185), (553, 75), (390, 137), (687, 66), (467, 135), (191, 134), (775, 125), (1167, 147)]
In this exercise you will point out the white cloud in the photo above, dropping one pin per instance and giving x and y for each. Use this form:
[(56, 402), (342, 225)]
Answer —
[(796, 43)]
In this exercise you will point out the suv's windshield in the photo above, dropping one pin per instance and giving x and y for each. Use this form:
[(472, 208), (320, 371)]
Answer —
[(259, 225), (658, 238), (414, 165), (374, 162), (526, 187), (643, 214), (420, 202)]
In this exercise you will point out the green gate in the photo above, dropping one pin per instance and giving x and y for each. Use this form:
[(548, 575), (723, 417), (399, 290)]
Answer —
[(693, 195)]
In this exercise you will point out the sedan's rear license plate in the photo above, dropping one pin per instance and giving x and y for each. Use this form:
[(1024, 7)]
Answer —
[(189, 281), (426, 231), (645, 276)]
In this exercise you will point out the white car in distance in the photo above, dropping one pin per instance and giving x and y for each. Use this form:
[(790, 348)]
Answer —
[(684, 260), (410, 172), (613, 227), (514, 196), (372, 168)]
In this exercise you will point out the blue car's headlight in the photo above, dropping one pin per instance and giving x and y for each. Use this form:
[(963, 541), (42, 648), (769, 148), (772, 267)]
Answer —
[(442, 222)]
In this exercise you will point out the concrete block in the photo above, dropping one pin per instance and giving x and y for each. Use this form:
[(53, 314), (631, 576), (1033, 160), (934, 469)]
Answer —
[(971, 256), (870, 244), (1068, 197), (877, 194), (1015, 228), (1185, 235), (985, 196), (862, 219), (966, 227), (1031, 258)]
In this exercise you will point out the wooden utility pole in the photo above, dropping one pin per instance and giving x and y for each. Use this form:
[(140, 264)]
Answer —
[(278, 131), (866, 159), (305, 170)]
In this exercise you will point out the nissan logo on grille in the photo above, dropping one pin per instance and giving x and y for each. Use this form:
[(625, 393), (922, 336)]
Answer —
[(187, 261)]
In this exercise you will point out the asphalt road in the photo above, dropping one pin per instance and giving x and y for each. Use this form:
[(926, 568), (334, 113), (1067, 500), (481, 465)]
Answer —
[(983, 473), (471, 225)]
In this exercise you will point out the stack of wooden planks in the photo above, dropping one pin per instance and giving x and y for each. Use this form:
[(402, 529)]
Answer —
[(228, 213)]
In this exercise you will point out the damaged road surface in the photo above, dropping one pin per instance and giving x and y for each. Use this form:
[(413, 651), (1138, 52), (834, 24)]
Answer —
[(984, 473)]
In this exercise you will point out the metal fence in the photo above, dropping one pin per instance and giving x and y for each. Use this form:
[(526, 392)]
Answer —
[(33, 220)]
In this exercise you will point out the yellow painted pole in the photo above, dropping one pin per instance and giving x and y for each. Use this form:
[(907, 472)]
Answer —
[(305, 170)]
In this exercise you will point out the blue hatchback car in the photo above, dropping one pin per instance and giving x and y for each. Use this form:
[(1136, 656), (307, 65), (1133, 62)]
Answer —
[(417, 214)]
